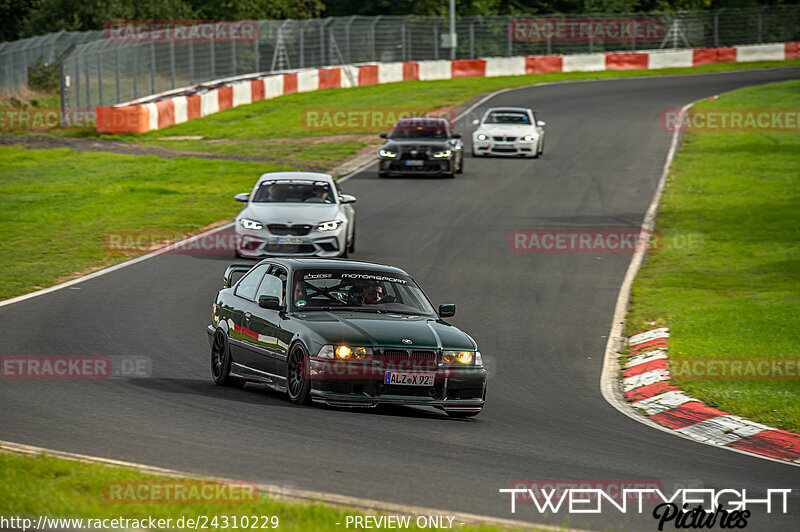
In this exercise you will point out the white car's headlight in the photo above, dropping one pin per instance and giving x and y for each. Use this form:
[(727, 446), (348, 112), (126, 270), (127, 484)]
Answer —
[(443, 154), (529, 138), (250, 224), (387, 153), (330, 225), (481, 136)]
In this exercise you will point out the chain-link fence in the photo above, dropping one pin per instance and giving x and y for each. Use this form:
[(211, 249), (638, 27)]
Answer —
[(17, 58), (104, 71)]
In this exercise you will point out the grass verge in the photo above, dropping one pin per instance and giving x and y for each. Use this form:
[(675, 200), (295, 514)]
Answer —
[(734, 291), (56, 205), (33, 486)]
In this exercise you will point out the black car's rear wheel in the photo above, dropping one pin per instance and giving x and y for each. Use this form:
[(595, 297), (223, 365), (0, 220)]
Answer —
[(221, 362), (298, 383)]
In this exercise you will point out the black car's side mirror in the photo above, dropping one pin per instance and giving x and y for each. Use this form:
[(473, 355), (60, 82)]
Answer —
[(243, 197), (269, 302), (447, 310), (384, 135), (456, 135)]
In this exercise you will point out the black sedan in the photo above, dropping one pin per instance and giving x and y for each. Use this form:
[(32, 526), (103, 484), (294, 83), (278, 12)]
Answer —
[(342, 333), (421, 146)]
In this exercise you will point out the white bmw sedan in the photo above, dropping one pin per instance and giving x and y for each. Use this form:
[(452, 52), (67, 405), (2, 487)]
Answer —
[(295, 214), (509, 131)]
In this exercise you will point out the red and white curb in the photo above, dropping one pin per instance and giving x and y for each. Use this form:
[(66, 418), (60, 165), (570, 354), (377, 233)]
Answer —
[(645, 382), (159, 111)]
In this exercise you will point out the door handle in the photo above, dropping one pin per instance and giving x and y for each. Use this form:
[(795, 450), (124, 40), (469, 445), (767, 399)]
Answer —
[(247, 316)]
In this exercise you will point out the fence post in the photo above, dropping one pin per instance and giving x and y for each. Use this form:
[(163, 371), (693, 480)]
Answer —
[(99, 80), (88, 82), (63, 82), (436, 40), (256, 51), (760, 33), (406, 40), (510, 41), (472, 40), (152, 67), (716, 27), (191, 62), (347, 37), (372, 54), (213, 58), (135, 71), (116, 73), (172, 62), (234, 70)]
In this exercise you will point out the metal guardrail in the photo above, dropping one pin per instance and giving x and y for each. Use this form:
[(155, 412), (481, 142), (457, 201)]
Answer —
[(104, 71)]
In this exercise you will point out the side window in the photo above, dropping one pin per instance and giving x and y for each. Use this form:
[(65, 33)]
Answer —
[(271, 286), (248, 284)]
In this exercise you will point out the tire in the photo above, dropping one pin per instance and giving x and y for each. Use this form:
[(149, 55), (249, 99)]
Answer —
[(461, 165), (541, 148), (382, 175), (298, 382), (221, 362)]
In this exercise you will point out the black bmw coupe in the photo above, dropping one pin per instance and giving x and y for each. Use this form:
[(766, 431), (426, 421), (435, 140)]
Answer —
[(343, 333)]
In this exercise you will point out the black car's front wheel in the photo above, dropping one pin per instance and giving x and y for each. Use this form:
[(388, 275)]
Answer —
[(298, 382), (221, 362)]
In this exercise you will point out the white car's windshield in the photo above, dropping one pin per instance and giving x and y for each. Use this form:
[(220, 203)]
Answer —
[(294, 192), (508, 117), (357, 290)]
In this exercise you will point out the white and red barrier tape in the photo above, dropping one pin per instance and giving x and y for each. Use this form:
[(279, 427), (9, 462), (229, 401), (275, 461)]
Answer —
[(645, 382), (167, 110)]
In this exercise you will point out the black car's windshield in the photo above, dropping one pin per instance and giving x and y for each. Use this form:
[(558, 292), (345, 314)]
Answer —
[(420, 128), (293, 192), (358, 290), (514, 118)]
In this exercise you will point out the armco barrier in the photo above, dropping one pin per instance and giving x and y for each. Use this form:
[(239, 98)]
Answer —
[(164, 110)]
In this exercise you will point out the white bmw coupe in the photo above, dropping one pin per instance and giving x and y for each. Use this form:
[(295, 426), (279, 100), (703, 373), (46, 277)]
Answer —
[(508, 131)]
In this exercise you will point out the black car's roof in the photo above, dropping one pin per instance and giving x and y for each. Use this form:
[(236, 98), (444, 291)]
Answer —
[(332, 264)]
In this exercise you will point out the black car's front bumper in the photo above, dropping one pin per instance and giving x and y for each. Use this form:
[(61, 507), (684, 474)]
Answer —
[(454, 389), (428, 166)]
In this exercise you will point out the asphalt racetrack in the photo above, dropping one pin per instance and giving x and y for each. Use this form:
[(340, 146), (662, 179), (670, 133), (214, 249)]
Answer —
[(541, 320)]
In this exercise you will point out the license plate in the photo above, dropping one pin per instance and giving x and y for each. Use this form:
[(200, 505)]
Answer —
[(287, 240), (415, 163), (409, 378), (503, 146)]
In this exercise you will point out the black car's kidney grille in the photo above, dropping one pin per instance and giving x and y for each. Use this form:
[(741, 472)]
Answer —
[(283, 230), (414, 153), (417, 360)]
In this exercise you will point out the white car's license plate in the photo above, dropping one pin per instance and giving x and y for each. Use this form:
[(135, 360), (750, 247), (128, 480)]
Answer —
[(415, 163), (503, 146), (287, 240), (408, 378)]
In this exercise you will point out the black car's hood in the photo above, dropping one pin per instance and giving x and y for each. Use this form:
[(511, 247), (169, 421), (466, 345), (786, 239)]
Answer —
[(385, 330)]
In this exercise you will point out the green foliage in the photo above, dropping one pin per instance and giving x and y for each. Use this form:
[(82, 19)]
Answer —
[(43, 77)]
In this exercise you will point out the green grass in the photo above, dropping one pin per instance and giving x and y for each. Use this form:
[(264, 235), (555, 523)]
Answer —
[(33, 486), (57, 205), (735, 293)]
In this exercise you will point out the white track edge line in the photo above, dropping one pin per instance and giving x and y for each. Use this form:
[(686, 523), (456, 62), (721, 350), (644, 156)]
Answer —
[(279, 491), (609, 385)]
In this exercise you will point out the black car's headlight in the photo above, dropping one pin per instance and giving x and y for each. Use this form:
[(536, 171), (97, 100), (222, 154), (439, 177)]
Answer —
[(462, 358), (344, 352), (250, 224), (387, 153), (331, 225), (442, 154)]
